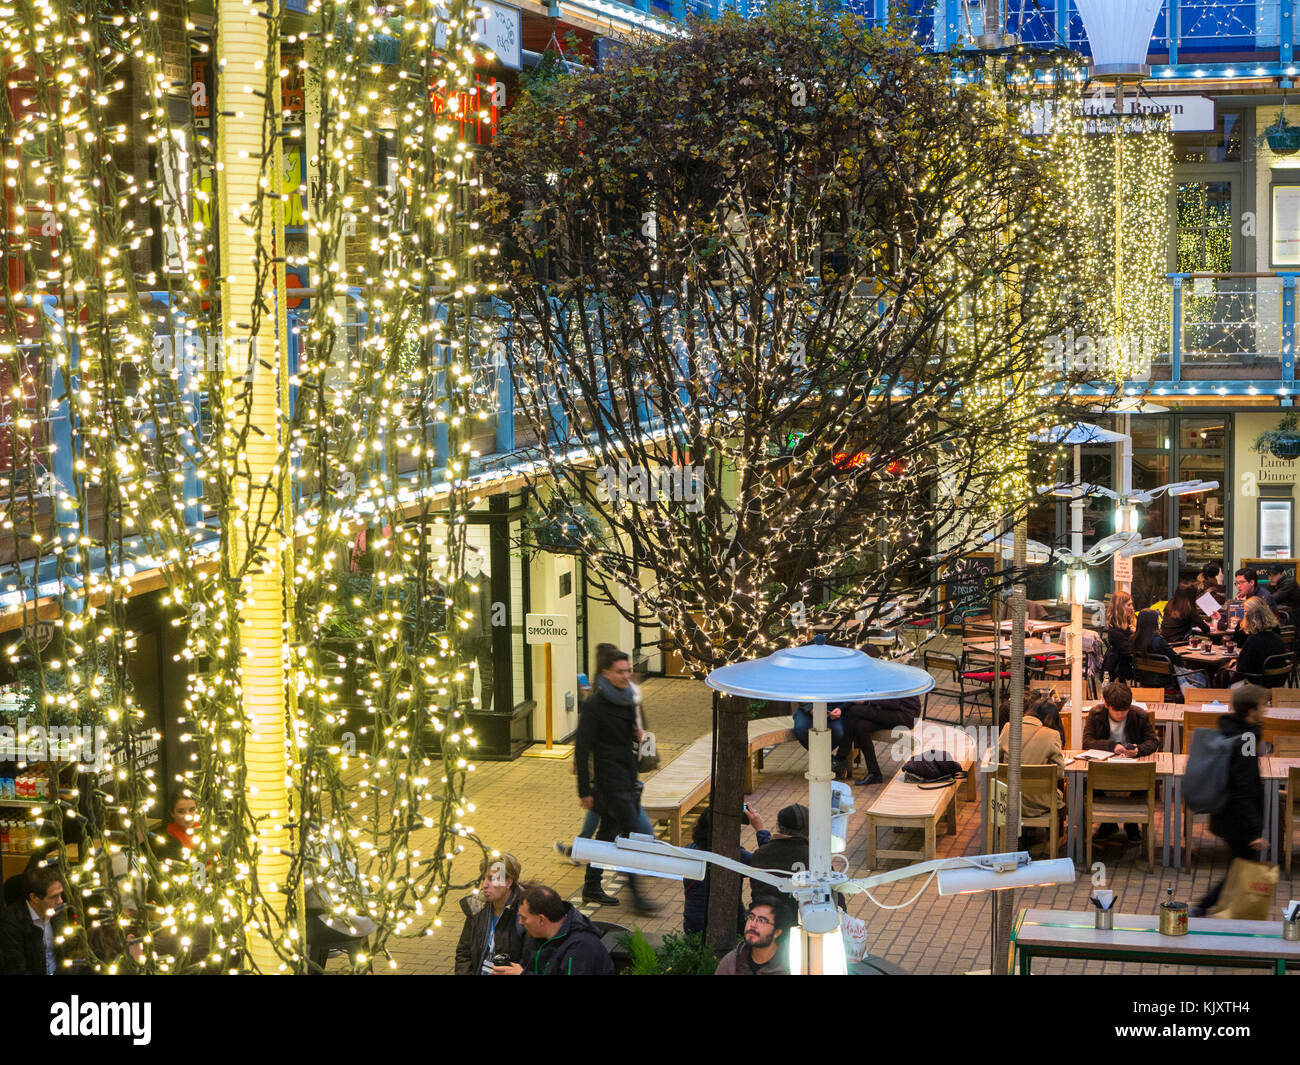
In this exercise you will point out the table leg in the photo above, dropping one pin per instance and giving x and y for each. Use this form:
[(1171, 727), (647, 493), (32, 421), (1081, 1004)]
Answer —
[(1178, 822), (1023, 955), (1169, 818), (1074, 810), (984, 805), (1272, 792)]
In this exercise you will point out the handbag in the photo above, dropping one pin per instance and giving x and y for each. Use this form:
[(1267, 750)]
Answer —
[(647, 754), (933, 769)]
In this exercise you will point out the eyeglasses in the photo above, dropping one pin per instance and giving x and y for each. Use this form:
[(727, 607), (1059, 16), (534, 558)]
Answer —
[(759, 920)]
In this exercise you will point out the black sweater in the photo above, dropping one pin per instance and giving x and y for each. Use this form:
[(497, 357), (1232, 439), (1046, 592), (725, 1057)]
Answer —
[(1258, 649)]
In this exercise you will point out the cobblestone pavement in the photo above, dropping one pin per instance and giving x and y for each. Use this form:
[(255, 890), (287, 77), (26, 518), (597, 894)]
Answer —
[(525, 805)]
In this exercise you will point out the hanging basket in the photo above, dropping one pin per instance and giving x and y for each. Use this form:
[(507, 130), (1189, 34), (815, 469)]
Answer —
[(1283, 139), (1286, 446)]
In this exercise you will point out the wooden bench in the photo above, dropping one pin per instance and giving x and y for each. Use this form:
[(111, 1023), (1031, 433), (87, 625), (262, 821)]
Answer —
[(684, 782), (909, 806)]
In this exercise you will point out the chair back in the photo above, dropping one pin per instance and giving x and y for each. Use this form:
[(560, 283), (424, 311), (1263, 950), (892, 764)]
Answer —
[(1285, 697), (1277, 670), (1121, 776), (1152, 666), (1194, 719), (1148, 695), (1285, 746), (1279, 732), (1208, 695), (940, 661)]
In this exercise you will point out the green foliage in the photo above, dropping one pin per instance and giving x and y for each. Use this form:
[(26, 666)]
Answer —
[(682, 954)]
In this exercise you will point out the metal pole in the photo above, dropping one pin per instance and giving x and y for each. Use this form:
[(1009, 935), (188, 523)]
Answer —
[(1075, 632), (550, 712), (819, 778), (1006, 899)]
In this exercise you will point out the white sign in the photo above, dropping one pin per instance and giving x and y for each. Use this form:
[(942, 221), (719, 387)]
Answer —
[(547, 628), (1123, 570), (501, 32), (1187, 114)]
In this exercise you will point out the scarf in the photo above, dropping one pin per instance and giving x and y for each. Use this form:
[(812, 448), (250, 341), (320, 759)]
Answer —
[(620, 696)]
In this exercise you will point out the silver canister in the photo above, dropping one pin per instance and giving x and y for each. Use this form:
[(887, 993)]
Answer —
[(1105, 920), (1291, 931)]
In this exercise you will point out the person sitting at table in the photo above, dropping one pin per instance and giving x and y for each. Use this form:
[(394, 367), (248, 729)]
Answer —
[(862, 719), (1285, 591), (1262, 642), (1182, 616), (803, 723), (1120, 626), (1240, 824), (1149, 640), (1041, 739), (1208, 581), (1116, 725), (1247, 584)]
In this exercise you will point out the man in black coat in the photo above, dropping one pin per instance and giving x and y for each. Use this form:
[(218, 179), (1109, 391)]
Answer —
[(566, 942), (1286, 593), (492, 925), (605, 760), (27, 937), (1240, 823)]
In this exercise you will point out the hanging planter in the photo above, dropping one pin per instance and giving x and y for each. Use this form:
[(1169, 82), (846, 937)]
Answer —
[(1282, 442), (1281, 137)]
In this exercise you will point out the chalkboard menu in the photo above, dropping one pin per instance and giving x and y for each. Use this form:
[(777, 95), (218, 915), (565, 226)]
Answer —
[(1261, 566), (967, 583)]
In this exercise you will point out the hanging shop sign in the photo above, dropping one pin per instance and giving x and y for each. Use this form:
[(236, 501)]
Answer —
[(498, 28), (1187, 114)]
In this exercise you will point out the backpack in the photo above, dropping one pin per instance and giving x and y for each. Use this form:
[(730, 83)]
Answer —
[(933, 769), (1205, 781)]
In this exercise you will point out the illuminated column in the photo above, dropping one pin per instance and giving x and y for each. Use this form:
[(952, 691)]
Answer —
[(241, 50)]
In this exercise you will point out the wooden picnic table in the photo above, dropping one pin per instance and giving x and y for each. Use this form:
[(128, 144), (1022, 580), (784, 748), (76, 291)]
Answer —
[(1136, 937), (1033, 647)]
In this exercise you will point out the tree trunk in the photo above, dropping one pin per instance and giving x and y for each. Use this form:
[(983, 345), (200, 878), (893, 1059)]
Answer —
[(725, 887)]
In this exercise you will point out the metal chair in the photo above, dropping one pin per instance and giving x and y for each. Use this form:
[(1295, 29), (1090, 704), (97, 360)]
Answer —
[(943, 662), (1277, 670)]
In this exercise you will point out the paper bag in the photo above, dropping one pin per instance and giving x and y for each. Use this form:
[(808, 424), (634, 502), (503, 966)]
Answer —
[(1247, 894), (854, 930)]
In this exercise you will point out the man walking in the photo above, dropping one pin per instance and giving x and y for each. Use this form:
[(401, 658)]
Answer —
[(606, 759)]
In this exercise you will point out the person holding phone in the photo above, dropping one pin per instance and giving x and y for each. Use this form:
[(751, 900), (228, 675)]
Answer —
[(1116, 725)]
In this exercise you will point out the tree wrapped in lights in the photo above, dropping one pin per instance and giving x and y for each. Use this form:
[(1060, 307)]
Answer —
[(196, 451), (782, 294)]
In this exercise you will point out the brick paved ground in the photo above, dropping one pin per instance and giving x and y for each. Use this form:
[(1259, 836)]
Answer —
[(523, 806)]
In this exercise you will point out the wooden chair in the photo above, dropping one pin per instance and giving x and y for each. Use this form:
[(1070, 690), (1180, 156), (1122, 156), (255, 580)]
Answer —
[(1282, 736), (1285, 697), (1044, 779), (1276, 672), (1155, 669), (1120, 776), (1288, 815), (1209, 695), (1149, 695)]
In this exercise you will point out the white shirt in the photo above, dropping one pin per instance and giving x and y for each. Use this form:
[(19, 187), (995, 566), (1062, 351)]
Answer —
[(47, 936)]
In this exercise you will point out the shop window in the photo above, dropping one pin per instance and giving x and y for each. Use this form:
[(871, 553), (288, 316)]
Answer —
[(1204, 227)]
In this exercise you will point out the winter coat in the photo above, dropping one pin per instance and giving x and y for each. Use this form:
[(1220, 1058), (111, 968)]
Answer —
[(575, 950), (1242, 820), (1258, 649), (509, 939), (22, 948), (1039, 745), (605, 746), (1175, 628), (1119, 657)]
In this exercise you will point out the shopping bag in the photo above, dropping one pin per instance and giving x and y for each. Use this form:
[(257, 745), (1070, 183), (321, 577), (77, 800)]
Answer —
[(1247, 894), (854, 931)]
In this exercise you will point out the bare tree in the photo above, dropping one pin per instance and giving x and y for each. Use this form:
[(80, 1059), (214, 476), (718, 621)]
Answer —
[(782, 292)]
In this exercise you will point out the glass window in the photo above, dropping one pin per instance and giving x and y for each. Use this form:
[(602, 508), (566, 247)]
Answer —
[(1200, 517), (1221, 145), (1205, 227), (1149, 433), (1199, 434)]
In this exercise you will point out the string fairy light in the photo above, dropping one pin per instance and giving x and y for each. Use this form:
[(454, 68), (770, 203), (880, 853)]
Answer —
[(175, 419)]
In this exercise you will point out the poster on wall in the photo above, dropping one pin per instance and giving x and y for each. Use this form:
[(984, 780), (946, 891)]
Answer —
[(1275, 524), (1286, 225)]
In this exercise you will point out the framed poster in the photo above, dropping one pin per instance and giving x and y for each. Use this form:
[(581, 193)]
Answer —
[(1275, 524), (1284, 219)]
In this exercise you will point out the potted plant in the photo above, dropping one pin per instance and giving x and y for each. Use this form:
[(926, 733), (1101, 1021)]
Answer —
[(1281, 137), (1283, 441)]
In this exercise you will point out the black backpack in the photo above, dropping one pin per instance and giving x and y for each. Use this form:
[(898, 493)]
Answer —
[(1205, 781), (933, 769)]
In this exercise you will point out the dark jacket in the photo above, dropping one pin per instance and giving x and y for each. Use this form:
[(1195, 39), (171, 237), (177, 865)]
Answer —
[(575, 950), (22, 950), (510, 938), (1137, 728), (1160, 647), (1258, 649), (781, 853), (695, 904), (1175, 628), (605, 753), (1242, 820), (738, 963), (1118, 663), (1286, 593)]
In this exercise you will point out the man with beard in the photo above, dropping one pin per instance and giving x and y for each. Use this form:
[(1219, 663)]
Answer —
[(760, 953)]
